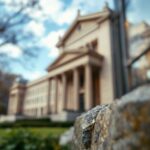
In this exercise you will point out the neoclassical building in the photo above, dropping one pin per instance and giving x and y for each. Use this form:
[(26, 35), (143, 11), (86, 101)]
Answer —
[(80, 78)]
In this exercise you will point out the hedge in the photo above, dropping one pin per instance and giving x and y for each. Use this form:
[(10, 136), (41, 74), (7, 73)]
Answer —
[(35, 123)]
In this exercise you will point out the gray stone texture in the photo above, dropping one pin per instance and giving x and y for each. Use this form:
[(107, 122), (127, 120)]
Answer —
[(123, 125)]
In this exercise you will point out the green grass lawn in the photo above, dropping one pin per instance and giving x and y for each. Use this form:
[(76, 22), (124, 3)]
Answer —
[(32, 138), (43, 131)]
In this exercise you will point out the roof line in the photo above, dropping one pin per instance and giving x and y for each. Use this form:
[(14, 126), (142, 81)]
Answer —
[(79, 18)]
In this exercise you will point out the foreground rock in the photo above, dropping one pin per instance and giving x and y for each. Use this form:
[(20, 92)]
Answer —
[(123, 125)]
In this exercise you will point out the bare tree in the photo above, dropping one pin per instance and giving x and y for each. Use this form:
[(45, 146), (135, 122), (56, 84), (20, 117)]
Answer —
[(6, 81), (14, 16)]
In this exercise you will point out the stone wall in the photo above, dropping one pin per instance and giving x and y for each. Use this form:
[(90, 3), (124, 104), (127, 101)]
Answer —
[(123, 125)]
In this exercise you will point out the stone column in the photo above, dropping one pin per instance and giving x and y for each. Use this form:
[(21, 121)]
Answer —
[(88, 87), (76, 88), (49, 96), (64, 92), (56, 94)]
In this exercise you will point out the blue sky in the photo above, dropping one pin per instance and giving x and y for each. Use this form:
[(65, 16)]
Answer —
[(58, 15)]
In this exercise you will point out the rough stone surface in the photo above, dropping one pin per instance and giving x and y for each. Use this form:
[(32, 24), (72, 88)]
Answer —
[(123, 125), (88, 127), (130, 126)]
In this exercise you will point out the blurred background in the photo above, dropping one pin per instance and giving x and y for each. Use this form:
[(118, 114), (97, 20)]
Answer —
[(29, 31)]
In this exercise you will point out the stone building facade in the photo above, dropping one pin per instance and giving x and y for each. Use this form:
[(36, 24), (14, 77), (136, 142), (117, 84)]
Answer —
[(80, 78)]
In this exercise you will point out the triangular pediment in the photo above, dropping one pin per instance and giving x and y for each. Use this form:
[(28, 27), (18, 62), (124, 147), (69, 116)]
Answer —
[(81, 25), (64, 58), (81, 29)]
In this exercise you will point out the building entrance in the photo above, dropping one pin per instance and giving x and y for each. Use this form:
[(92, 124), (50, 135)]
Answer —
[(81, 102)]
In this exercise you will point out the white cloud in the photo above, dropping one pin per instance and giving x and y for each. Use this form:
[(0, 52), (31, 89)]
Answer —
[(67, 15), (49, 9), (11, 50), (61, 13), (33, 75), (56, 12), (51, 40), (36, 28)]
